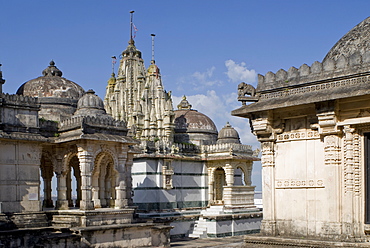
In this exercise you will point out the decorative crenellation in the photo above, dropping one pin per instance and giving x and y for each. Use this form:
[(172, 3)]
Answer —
[(298, 184), (19, 99), (91, 120), (315, 72)]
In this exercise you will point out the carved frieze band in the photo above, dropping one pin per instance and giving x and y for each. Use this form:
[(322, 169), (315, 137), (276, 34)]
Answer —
[(316, 87), (299, 184), (298, 136)]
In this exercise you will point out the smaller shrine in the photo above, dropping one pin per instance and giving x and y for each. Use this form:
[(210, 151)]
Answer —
[(53, 129)]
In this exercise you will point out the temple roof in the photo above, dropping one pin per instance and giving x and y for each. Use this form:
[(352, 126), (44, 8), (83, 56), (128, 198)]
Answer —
[(356, 40)]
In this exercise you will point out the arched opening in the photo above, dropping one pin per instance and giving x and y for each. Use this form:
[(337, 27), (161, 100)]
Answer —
[(104, 179), (73, 183), (219, 183), (239, 177)]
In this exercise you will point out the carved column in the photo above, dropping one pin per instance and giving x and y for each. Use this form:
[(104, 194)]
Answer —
[(47, 175), (121, 195), (268, 185), (129, 192), (62, 202), (348, 196), (331, 136), (229, 170), (86, 164), (210, 186)]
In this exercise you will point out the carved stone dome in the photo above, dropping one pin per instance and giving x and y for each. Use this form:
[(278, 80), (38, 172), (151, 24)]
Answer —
[(58, 96), (228, 135), (356, 40), (51, 84), (192, 126), (90, 105)]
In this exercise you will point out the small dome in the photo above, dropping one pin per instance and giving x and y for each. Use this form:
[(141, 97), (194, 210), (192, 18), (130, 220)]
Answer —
[(153, 69), (192, 126), (356, 40), (112, 80), (228, 135), (58, 96), (90, 105), (51, 84), (131, 50)]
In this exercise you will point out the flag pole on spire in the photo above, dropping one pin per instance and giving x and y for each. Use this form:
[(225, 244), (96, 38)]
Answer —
[(114, 60), (131, 23), (153, 35)]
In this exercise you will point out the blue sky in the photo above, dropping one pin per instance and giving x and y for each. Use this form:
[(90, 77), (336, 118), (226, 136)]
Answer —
[(203, 48)]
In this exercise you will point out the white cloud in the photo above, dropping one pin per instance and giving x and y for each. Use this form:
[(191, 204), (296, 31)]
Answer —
[(239, 72)]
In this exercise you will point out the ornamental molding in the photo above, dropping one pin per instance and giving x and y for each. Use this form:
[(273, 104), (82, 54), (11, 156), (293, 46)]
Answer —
[(299, 184), (301, 135), (324, 86)]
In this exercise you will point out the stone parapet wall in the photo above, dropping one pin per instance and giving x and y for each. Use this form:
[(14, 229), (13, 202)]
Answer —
[(329, 68), (229, 147)]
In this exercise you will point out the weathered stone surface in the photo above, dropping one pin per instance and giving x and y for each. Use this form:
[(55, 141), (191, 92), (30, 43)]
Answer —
[(313, 131)]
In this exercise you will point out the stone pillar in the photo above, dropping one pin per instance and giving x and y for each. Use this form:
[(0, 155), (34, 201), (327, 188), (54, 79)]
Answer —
[(96, 191), (331, 135), (121, 195), (229, 171), (101, 179), (86, 164), (268, 226), (210, 186), (348, 200), (62, 202), (69, 188), (129, 163)]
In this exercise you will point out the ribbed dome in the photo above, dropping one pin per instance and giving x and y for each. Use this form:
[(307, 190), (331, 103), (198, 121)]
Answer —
[(51, 84), (192, 126), (90, 105), (228, 135), (356, 40)]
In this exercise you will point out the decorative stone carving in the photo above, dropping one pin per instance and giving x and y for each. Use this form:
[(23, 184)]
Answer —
[(167, 173), (246, 89)]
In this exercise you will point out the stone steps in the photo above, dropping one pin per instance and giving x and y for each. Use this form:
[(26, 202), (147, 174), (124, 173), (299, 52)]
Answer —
[(200, 229), (65, 221)]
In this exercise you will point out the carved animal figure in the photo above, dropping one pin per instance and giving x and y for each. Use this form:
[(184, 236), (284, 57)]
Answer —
[(246, 89)]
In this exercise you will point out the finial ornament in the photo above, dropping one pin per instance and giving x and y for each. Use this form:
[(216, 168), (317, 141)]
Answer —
[(184, 104)]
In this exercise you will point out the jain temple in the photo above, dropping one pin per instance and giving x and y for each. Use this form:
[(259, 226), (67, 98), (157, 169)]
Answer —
[(313, 123), (129, 170)]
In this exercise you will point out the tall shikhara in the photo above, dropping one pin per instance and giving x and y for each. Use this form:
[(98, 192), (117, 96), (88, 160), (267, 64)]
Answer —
[(137, 96)]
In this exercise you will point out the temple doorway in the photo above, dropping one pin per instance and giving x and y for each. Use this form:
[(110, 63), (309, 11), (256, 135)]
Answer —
[(220, 182)]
